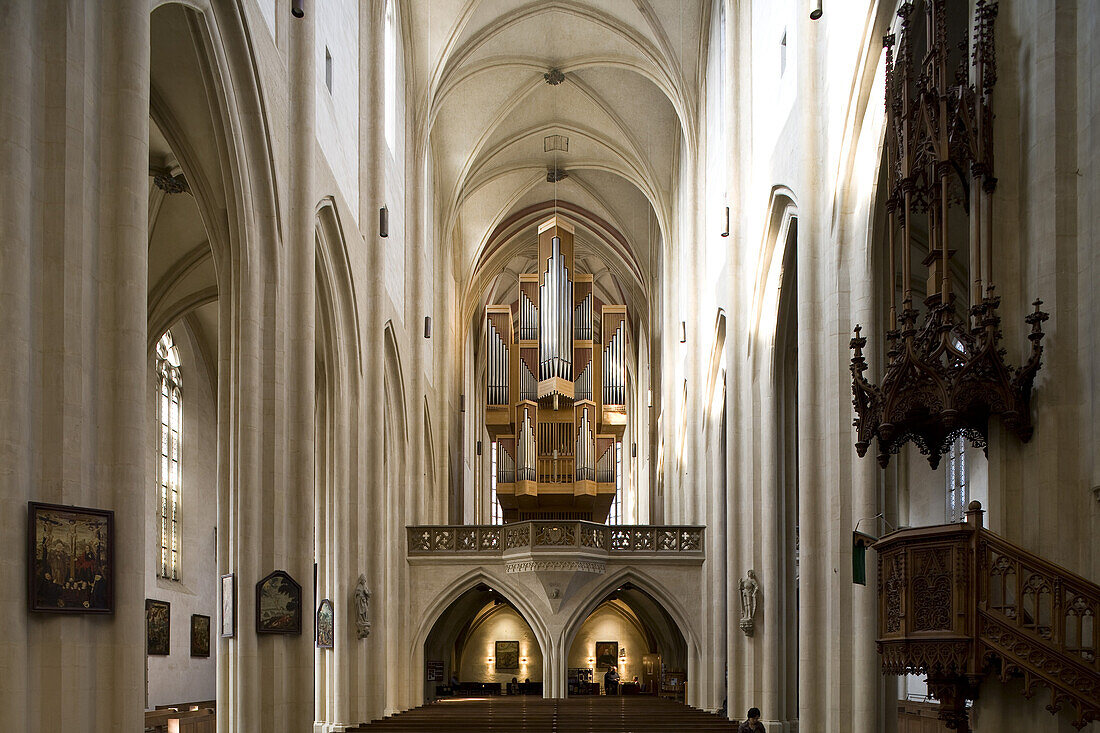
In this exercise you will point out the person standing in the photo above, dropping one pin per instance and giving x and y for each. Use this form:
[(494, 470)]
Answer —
[(611, 681), (753, 724)]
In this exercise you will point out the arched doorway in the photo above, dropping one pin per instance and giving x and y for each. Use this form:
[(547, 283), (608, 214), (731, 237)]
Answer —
[(483, 642), (631, 631)]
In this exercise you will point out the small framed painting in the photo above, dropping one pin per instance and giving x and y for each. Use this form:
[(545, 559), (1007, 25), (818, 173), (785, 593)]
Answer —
[(325, 624), (278, 605), (71, 560), (200, 635), (607, 654), (229, 605), (158, 627), (507, 656)]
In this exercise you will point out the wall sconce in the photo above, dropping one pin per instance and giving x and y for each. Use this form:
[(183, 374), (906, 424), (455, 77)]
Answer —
[(683, 332), (633, 450), (488, 660), (296, 9), (384, 222), (816, 12), (591, 661), (622, 653), (523, 660), (427, 327), (649, 397), (479, 447), (726, 231), (462, 403)]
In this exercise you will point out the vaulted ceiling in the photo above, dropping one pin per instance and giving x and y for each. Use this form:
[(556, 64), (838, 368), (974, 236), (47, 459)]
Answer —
[(481, 101)]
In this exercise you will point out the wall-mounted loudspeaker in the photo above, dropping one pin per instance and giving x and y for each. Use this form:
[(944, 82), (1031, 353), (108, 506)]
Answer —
[(296, 8), (427, 327), (383, 222)]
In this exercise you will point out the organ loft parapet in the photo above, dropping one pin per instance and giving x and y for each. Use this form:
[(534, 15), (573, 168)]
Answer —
[(555, 398)]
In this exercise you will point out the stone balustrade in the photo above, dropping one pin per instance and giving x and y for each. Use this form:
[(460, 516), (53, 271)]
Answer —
[(684, 541)]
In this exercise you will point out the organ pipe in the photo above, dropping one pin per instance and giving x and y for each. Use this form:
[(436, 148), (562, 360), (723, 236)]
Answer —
[(525, 448), (497, 361), (528, 318), (555, 318), (584, 382), (585, 451), (614, 370), (583, 319)]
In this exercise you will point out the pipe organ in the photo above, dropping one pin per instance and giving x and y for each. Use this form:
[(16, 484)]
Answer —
[(555, 400)]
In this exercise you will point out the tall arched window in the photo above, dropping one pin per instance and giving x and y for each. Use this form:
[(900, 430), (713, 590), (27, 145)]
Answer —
[(616, 513), (169, 448), (496, 514), (389, 71)]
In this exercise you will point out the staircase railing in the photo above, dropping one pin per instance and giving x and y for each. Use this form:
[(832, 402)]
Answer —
[(958, 603)]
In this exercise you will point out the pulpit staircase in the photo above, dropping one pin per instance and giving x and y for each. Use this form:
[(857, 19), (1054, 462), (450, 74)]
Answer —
[(961, 605)]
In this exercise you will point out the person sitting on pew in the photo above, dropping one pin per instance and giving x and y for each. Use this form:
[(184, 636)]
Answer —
[(611, 681)]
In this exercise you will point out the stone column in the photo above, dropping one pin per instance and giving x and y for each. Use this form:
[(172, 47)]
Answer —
[(74, 102)]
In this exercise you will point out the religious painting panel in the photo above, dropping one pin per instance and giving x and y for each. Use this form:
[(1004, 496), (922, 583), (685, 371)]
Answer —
[(70, 564), (278, 605), (158, 627), (507, 656)]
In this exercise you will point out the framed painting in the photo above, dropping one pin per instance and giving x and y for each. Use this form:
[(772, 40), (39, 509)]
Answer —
[(228, 605), (278, 605), (607, 654), (200, 635), (507, 656), (71, 561), (325, 624), (158, 627)]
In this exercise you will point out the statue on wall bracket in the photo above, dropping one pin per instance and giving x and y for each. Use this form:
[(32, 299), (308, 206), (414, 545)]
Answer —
[(748, 587), (362, 602)]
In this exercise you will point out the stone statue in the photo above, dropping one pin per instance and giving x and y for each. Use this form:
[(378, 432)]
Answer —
[(748, 587), (362, 600)]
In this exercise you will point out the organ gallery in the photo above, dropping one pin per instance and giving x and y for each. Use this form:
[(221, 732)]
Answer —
[(556, 389)]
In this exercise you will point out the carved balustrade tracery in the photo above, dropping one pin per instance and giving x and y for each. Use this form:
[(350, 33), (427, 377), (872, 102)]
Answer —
[(452, 540)]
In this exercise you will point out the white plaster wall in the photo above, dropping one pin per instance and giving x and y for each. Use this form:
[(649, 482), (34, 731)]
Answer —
[(179, 677), (338, 111), (504, 624)]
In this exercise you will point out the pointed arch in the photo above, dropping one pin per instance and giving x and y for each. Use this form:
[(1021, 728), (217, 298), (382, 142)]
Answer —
[(652, 587), (435, 609), (394, 380)]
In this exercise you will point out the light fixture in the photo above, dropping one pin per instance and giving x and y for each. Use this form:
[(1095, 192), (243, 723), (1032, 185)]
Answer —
[(296, 8), (726, 231), (649, 396), (683, 332), (523, 660), (384, 222), (633, 450), (427, 327), (488, 660), (816, 12), (462, 402), (479, 447)]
